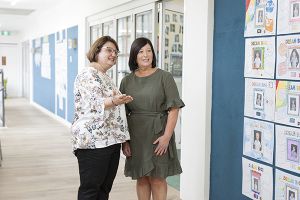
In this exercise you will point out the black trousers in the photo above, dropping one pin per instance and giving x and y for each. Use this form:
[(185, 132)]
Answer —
[(97, 170)]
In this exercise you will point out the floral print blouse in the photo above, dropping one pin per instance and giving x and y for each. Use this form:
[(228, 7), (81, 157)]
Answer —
[(93, 126)]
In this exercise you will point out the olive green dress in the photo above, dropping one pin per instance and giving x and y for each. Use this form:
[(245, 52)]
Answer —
[(147, 114)]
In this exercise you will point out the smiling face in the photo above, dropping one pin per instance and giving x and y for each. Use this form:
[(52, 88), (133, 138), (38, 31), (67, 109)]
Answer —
[(145, 57), (107, 56), (257, 135)]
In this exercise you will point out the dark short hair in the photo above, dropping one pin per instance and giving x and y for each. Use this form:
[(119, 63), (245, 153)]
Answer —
[(97, 46), (134, 50)]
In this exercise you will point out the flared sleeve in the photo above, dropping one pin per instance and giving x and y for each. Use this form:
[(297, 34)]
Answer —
[(171, 92)]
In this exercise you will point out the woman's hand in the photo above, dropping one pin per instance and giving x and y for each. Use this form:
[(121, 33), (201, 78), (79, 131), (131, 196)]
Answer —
[(162, 147), (121, 99), (126, 149)]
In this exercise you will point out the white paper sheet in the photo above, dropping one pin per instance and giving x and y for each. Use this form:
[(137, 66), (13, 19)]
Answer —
[(287, 103), (288, 16), (287, 186), (260, 18), (258, 140), (257, 180), (287, 148), (288, 57), (260, 57), (45, 61), (260, 98), (61, 63)]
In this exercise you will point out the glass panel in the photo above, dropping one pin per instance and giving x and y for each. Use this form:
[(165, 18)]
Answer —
[(172, 62), (108, 30), (143, 22), (123, 39), (96, 32)]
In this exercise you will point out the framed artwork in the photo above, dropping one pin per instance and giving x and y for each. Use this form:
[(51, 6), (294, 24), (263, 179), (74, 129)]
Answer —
[(291, 193), (293, 150), (260, 17), (258, 99), (294, 10), (257, 135), (255, 181), (293, 61), (258, 58), (3, 60), (293, 105)]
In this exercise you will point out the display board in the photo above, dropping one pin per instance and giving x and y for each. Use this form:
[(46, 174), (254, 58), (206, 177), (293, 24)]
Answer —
[(246, 58), (55, 66)]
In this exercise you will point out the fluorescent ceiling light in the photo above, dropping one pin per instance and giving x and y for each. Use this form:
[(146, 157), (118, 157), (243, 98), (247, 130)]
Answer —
[(12, 3)]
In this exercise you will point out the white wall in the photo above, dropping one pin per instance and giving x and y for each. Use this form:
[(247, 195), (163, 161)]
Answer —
[(197, 90), (66, 14)]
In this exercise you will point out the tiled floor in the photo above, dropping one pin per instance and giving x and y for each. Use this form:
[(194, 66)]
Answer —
[(37, 159)]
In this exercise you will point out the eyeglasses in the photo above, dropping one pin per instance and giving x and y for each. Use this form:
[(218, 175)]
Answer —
[(111, 50)]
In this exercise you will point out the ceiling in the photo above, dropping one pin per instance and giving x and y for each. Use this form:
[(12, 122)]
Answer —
[(14, 13)]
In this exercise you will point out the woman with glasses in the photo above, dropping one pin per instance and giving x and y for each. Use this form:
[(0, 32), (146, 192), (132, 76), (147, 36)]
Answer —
[(100, 124), (151, 154)]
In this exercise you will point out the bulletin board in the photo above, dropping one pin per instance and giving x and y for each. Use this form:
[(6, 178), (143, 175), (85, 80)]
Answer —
[(227, 101), (55, 66), (255, 151)]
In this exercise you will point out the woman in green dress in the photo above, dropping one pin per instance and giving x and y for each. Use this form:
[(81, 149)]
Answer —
[(151, 154)]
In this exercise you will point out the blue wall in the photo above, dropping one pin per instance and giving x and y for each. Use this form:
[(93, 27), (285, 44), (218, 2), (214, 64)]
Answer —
[(228, 101)]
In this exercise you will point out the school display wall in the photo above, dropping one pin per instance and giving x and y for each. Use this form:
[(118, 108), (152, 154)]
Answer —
[(266, 79), (55, 66)]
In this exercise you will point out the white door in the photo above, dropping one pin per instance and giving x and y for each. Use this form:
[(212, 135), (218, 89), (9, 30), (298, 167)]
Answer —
[(12, 69)]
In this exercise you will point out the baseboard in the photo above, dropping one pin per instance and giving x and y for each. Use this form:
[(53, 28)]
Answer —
[(50, 114)]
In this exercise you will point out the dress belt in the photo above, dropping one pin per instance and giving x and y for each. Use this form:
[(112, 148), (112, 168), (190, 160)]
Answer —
[(147, 113)]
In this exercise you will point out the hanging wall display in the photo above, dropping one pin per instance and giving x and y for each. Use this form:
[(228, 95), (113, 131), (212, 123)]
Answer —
[(288, 51), (37, 52), (259, 99), (287, 186), (46, 59), (260, 57), (258, 140), (61, 69), (260, 18), (288, 16), (257, 180), (287, 103), (287, 148)]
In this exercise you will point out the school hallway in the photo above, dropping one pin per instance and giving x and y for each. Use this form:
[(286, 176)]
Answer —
[(37, 160)]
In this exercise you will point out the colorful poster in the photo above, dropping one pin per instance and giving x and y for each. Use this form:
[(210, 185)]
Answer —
[(260, 98), (260, 57), (258, 140), (287, 186), (287, 148), (260, 18), (287, 103), (288, 16), (257, 180), (288, 51)]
